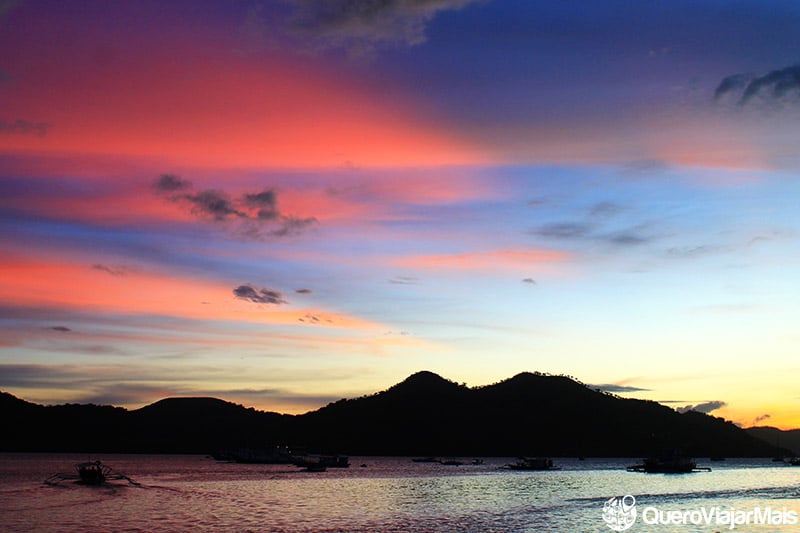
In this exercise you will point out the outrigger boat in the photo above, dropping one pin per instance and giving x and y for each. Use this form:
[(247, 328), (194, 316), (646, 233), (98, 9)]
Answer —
[(89, 473), (671, 462), (532, 463)]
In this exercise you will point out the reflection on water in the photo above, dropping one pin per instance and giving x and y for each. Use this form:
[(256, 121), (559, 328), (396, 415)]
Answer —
[(390, 494)]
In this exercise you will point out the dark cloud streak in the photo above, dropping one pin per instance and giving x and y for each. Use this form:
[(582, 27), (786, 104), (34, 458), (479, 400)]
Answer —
[(213, 203), (358, 26), (628, 238), (112, 270), (685, 252), (703, 407), (605, 210), (266, 202), (25, 127), (291, 225), (168, 183), (613, 387), (573, 231), (258, 212), (773, 87), (732, 84), (777, 82), (564, 230), (259, 296), (761, 418)]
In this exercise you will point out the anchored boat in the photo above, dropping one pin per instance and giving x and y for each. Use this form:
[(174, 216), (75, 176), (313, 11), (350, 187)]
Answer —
[(533, 463), (319, 463), (670, 462)]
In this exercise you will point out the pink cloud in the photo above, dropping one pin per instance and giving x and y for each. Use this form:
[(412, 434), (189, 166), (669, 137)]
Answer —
[(210, 107), (499, 260)]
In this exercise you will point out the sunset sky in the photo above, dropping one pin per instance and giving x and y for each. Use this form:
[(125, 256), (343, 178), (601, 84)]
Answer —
[(283, 203)]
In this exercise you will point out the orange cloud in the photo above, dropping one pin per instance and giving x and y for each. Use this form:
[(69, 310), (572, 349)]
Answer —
[(502, 260), (780, 416), (27, 281)]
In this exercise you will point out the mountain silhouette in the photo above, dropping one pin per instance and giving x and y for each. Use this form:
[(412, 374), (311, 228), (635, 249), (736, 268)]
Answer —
[(200, 425), (789, 439), (528, 414), (426, 414)]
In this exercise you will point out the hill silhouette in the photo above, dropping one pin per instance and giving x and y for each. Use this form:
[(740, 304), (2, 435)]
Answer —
[(528, 414), (426, 414), (785, 439), (200, 425)]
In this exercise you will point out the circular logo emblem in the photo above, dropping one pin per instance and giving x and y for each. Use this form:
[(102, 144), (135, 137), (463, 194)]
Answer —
[(619, 512)]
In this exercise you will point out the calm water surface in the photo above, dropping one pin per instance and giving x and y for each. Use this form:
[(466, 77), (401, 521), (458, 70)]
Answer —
[(182, 493)]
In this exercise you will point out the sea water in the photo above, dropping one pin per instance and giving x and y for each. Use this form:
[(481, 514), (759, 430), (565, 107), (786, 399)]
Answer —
[(387, 494)]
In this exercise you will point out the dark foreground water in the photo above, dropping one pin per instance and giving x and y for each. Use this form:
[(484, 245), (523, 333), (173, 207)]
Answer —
[(195, 493)]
